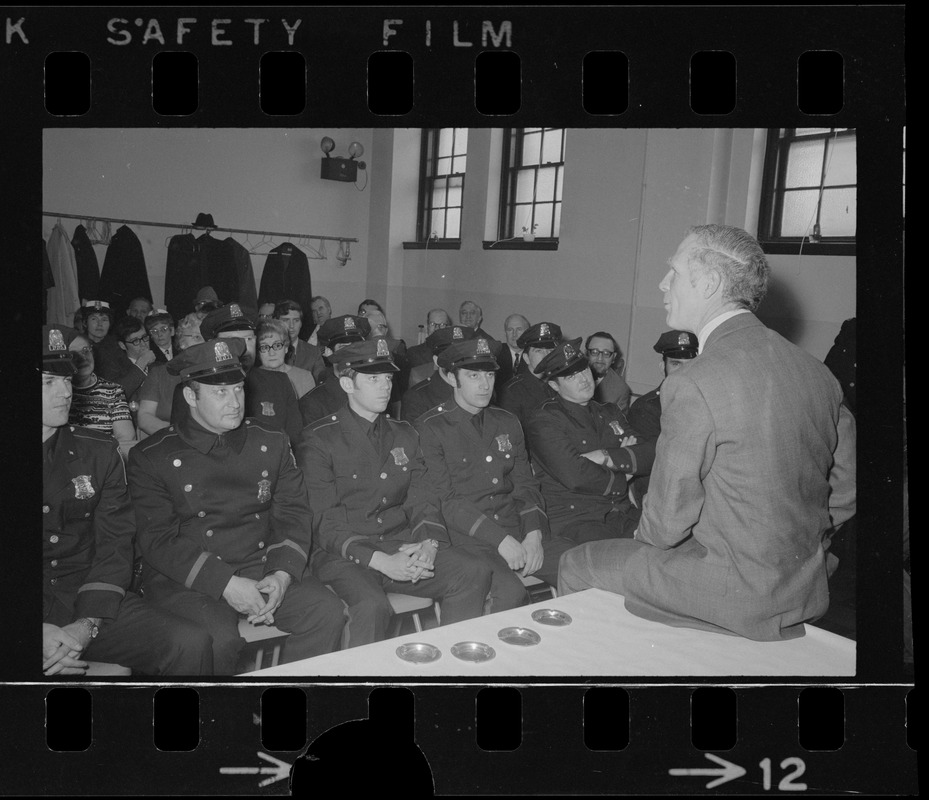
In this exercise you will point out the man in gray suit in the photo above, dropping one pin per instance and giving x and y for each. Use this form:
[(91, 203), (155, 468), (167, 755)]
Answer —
[(733, 528)]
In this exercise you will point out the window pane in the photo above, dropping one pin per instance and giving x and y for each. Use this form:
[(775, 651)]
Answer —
[(459, 164), (438, 224), (839, 212), (799, 212), (543, 218), (840, 162), (556, 231), (454, 193), (532, 144), (445, 142), (453, 228), (461, 141), (443, 166), (808, 131), (438, 193), (559, 183), (551, 146), (545, 188), (522, 219), (805, 164), (524, 186)]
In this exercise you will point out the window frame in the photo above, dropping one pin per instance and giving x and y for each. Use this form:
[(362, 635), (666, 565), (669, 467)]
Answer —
[(428, 165), (773, 191), (511, 167)]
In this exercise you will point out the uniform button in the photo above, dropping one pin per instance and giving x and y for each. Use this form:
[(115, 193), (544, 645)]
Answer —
[(53, 581), (465, 460), (257, 516), (260, 545), (357, 561), (439, 408), (188, 488), (54, 562), (46, 509), (86, 514), (383, 499), (219, 558), (355, 477), (264, 473), (489, 459), (383, 476), (572, 508), (507, 455), (177, 462), (495, 481), (404, 469), (264, 558), (583, 441), (201, 513), (264, 448), (496, 517), (380, 521), (209, 533), (53, 539)]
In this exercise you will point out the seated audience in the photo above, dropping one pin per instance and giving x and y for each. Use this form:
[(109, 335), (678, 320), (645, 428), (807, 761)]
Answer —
[(732, 529), (273, 338), (299, 353), (88, 612), (583, 452), (160, 327), (371, 311), (265, 310), (510, 356), (129, 363), (321, 311), (139, 308), (377, 529), (524, 392), (427, 394), (419, 358), (157, 395), (606, 365), (223, 519)]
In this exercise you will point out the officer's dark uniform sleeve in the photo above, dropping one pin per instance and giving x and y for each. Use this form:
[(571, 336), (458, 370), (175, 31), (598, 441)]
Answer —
[(106, 581), (634, 459), (645, 418), (426, 520), (181, 559), (291, 519), (459, 512), (526, 490), (334, 534)]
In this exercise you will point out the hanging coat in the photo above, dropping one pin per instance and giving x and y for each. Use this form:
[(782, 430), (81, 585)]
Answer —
[(63, 299), (48, 280), (216, 268), (241, 263), (286, 276), (183, 277), (88, 269), (124, 276)]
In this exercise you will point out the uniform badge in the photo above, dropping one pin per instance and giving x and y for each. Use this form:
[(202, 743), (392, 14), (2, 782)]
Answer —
[(683, 340), (83, 489), (267, 409), (569, 352), (235, 311), (503, 443), (382, 348), (264, 491), (400, 457), (482, 348), (349, 324), (221, 351), (616, 429), (544, 331), (56, 341), (457, 333)]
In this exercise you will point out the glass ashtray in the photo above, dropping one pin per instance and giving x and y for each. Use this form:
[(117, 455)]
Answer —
[(551, 616), (418, 652), (520, 636), (473, 651)]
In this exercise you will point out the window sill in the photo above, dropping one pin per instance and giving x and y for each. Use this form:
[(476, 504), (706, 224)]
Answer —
[(522, 244), (809, 248), (447, 244)]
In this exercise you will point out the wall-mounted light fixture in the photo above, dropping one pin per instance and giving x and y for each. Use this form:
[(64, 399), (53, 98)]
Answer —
[(337, 168)]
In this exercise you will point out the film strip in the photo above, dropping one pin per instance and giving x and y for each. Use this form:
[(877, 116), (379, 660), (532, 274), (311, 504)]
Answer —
[(71, 71)]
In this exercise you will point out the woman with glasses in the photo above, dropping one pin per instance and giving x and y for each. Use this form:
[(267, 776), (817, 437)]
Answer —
[(273, 341), (96, 403)]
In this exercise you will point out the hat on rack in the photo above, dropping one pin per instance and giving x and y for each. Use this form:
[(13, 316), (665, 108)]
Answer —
[(215, 362), (564, 360), (231, 317), (204, 221), (57, 359)]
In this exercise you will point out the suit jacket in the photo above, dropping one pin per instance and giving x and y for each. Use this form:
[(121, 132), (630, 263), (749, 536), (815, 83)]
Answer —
[(87, 528), (739, 500), (613, 389), (507, 369), (209, 507), (112, 364), (366, 498), (483, 481), (574, 487), (309, 357)]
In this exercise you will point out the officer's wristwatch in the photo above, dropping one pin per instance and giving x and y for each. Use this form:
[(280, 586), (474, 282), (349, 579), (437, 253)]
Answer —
[(433, 542), (92, 628)]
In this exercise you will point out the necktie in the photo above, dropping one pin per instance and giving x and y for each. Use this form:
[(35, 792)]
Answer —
[(478, 422)]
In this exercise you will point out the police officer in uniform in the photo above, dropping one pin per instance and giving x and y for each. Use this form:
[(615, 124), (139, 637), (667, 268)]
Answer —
[(434, 390), (524, 393), (224, 524), (87, 537), (478, 467), (328, 397), (582, 452), (377, 528), (269, 396)]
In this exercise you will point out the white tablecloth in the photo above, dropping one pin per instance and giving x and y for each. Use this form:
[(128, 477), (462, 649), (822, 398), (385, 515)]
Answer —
[(602, 640)]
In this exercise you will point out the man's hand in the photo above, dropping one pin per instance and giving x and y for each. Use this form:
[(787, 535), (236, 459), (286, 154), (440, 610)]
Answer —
[(628, 441), (532, 544), (274, 586), (61, 652), (145, 359), (597, 456), (243, 596), (425, 559), (513, 552), (399, 566)]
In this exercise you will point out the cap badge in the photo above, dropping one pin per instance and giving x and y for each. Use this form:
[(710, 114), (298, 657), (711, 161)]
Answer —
[(400, 457), (221, 351), (83, 489), (264, 491), (683, 340), (616, 428), (267, 409), (349, 323), (382, 348), (97, 304), (544, 330), (457, 333), (569, 352), (55, 340), (503, 443), (482, 348), (235, 311)]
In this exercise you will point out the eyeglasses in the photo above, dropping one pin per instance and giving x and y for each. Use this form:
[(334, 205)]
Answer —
[(159, 329), (604, 353), (264, 348), (137, 342)]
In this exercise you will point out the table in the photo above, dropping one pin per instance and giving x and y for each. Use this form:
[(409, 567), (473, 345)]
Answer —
[(603, 640)]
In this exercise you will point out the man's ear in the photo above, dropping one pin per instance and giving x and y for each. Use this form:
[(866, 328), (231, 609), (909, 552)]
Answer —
[(448, 377), (553, 383), (712, 282), (190, 396), (347, 384), (122, 345)]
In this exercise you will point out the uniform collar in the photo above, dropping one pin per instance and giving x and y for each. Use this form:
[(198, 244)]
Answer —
[(198, 437)]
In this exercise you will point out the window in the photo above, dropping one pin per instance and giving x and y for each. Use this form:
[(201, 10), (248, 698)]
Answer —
[(531, 186), (809, 191), (441, 191)]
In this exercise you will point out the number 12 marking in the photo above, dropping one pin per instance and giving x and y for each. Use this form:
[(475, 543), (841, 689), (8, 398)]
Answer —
[(786, 783)]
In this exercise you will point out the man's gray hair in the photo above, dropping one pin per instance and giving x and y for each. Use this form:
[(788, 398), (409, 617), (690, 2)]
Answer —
[(737, 257)]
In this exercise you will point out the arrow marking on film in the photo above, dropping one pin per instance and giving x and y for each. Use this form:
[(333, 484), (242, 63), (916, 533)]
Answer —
[(729, 771), (279, 771)]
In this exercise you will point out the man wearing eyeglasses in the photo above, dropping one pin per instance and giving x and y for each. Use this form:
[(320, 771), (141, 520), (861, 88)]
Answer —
[(160, 326), (583, 452), (128, 364), (606, 365)]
